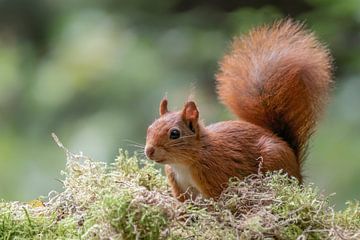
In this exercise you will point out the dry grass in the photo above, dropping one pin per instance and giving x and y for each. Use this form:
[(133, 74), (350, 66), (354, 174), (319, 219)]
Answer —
[(129, 199)]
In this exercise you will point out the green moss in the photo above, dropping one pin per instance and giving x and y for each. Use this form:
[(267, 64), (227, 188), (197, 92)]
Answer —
[(143, 172), (36, 227), (129, 199), (291, 231), (135, 218)]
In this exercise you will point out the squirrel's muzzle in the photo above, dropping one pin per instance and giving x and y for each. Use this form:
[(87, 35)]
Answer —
[(149, 151)]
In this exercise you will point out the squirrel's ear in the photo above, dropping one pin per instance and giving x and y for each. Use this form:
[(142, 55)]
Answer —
[(163, 106), (190, 115)]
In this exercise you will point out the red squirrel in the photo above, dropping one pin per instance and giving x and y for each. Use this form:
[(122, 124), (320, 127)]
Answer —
[(276, 80)]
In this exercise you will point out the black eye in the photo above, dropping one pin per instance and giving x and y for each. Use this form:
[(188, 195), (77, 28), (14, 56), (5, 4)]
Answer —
[(174, 134)]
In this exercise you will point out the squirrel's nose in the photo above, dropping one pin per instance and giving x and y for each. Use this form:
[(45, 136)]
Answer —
[(149, 151)]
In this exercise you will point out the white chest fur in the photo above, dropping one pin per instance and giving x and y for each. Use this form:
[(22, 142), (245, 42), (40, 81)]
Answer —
[(184, 179)]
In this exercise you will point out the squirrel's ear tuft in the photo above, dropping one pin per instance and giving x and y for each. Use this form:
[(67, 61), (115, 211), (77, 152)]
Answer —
[(163, 106), (190, 115)]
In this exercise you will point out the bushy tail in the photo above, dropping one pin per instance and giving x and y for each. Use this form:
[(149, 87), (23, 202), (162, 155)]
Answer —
[(277, 77)]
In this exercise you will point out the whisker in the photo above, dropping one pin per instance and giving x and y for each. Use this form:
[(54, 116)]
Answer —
[(139, 148), (135, 145), (139, 153), (133, 142)]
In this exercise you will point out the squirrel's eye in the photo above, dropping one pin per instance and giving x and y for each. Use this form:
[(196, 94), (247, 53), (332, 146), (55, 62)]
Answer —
[(174, 134)]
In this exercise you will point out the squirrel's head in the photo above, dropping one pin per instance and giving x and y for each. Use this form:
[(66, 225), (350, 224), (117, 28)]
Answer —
[(174, 136)]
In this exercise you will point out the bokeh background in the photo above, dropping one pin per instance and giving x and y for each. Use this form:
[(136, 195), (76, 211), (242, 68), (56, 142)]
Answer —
[(93, 72)]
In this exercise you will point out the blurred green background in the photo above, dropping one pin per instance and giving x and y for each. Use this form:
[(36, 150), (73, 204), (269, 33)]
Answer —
[(93, 72)]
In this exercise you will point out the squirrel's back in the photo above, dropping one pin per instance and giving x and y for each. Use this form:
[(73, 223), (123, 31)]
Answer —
[(279, 78)]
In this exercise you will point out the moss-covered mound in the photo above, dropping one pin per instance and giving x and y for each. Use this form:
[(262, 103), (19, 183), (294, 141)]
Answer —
[(129, 199)]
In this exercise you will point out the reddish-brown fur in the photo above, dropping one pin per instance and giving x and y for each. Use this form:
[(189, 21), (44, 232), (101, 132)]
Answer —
[(276, 80)]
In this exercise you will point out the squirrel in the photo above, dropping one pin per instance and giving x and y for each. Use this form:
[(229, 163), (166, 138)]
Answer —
[(276, 80)]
